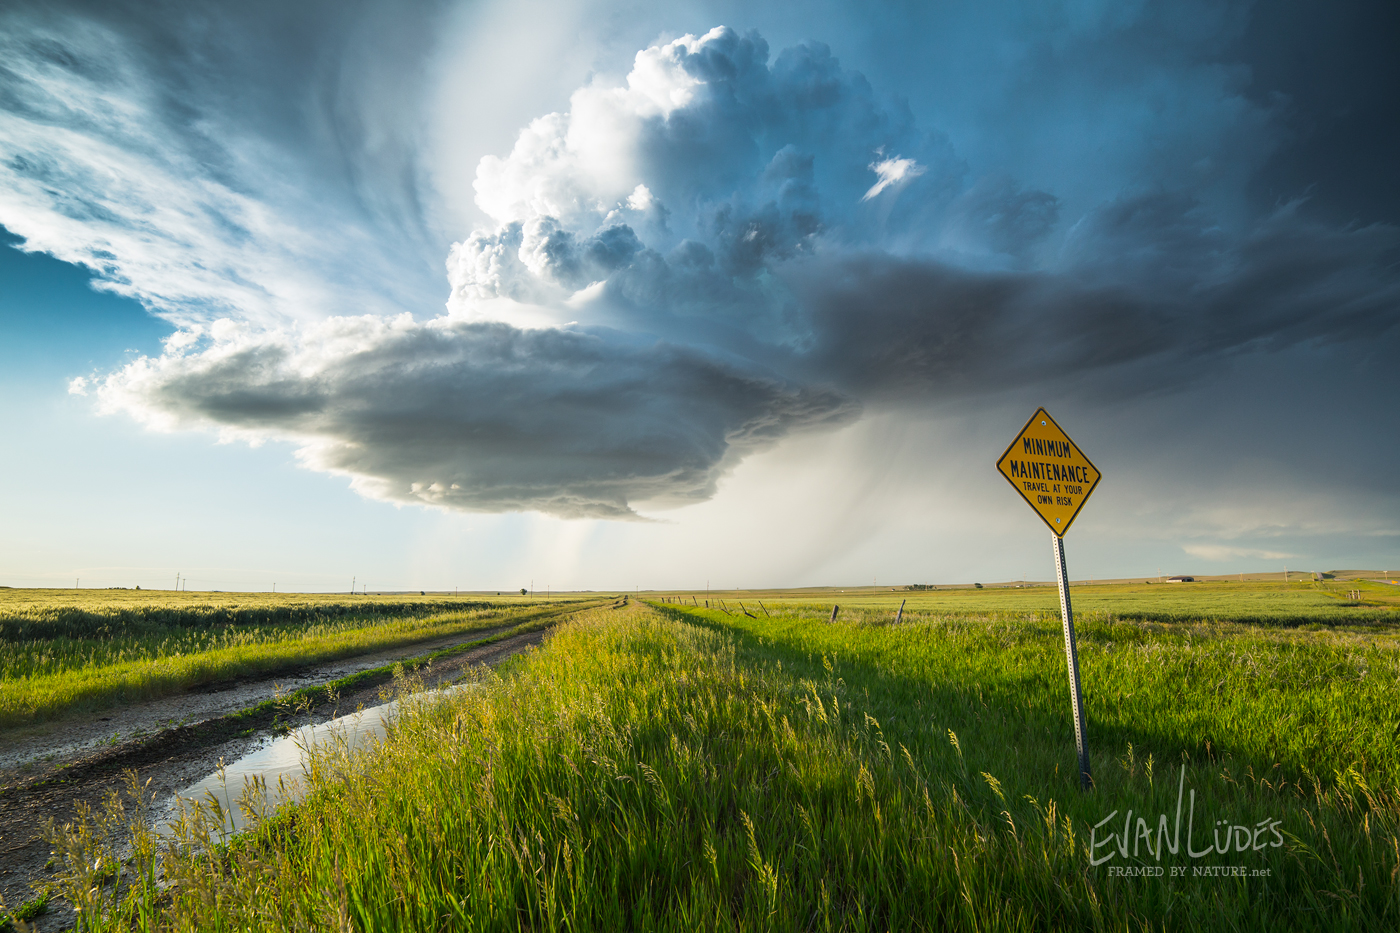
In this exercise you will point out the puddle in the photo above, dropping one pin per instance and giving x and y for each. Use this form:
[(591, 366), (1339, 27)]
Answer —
[(277, 771)]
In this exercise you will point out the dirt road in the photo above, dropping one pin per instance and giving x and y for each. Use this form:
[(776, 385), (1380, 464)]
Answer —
[(175, 742)]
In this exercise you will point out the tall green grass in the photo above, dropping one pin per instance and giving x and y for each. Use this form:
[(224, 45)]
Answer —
[(683, 770), (73, 660), (1306, 703)]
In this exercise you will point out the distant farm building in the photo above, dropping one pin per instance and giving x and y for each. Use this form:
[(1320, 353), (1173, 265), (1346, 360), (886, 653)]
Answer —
[(1181, 579)]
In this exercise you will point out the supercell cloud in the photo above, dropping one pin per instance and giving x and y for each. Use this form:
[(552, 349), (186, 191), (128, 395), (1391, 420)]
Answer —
[(679, 268)]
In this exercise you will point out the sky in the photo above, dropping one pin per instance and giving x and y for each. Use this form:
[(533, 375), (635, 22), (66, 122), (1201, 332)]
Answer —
[(610, 294)]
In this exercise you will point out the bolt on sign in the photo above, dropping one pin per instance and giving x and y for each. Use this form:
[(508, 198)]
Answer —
[(1056, 479), (1049, 471)]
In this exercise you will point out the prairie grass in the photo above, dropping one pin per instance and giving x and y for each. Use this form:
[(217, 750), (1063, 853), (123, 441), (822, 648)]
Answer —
[(59, 660), (679, 770), (1255, 602), (103, 619), (1299, 702)]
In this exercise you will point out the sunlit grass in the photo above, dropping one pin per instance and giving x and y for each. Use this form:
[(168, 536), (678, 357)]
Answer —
[(1308, 701), (1304, 602), (689, 770), (66, 660)]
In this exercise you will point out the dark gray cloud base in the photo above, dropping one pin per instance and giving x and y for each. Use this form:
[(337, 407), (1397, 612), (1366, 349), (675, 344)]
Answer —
[(674, 271), (483, 416), (1145, 292)]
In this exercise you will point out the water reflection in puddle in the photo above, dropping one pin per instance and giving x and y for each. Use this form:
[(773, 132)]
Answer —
[(278, 770)]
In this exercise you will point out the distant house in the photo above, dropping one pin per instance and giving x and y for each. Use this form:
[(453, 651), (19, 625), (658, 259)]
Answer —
[(1181, 579)]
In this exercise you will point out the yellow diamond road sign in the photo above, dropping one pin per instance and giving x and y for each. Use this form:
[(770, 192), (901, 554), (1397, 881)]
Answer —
[(1049, 472)]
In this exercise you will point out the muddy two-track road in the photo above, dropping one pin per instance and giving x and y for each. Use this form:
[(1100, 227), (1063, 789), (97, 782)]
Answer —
[(175, 741)]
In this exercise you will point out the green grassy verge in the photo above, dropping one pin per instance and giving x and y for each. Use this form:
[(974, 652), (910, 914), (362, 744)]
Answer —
[(683, 770), (144, 654)]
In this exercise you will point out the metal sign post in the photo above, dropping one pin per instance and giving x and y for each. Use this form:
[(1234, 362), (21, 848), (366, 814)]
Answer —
[(1086, 780), (1056, 479)]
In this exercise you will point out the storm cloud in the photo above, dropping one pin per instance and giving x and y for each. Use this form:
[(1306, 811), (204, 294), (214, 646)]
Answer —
[(1146, 301), (478, 416), (682, 266), (721, 175)]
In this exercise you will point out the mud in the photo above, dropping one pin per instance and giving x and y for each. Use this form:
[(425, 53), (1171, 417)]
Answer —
[(176, 741)]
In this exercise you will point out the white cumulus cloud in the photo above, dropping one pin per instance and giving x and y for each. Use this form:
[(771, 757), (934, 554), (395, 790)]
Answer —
[(890, 172)]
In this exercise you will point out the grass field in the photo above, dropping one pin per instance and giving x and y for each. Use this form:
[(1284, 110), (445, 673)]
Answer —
[(65, 653), (674, 768), (1298, 603)]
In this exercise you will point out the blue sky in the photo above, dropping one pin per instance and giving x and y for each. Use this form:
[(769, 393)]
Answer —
[(606, 295)]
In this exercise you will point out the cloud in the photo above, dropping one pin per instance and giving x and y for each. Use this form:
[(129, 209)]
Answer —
[(477, 416), (997, 217), (708, 219), (1222, 552), (892, 171), (124, 156), (913, 329), (1140, 293), (708, 158)]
